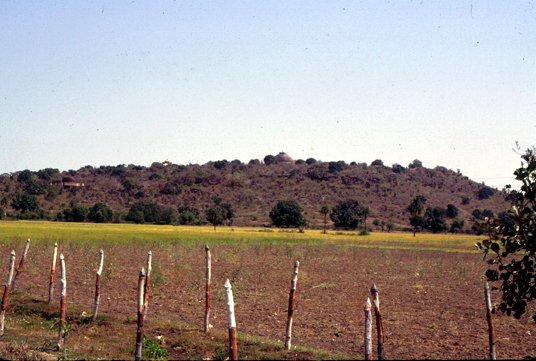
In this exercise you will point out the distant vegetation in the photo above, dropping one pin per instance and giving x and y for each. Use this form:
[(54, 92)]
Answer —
[(331, 194)]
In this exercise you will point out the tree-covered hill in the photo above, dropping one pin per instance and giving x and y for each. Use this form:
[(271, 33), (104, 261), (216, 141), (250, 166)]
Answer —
[(252, 189)]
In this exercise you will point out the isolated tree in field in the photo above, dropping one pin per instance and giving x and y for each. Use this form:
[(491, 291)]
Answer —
[(325, 211), (365, 212), (215, 216), (415, 208), (514, 263), (287, 214), (346, 214), (219, 213)]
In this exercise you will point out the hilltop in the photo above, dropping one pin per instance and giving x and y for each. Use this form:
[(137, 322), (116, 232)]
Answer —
[(254, 188)]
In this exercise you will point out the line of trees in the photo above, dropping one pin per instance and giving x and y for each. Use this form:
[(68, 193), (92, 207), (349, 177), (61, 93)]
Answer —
[(434, 218)]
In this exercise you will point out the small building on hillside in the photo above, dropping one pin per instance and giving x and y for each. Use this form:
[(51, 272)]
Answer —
[(166, 163)]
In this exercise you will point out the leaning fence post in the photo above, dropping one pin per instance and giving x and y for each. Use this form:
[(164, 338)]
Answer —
[(97, 286), (379, 325), (139, 334), (63, 302), (6, 292), (491, 327), (147, 280), (233, 348), (52, 271), (291, 297), (368, 331), (19, 270), (207, 293)]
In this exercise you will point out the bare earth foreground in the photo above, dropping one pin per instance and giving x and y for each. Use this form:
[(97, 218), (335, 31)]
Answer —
[(432, 301)]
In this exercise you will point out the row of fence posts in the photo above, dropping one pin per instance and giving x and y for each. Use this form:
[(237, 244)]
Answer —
[(143, 302)]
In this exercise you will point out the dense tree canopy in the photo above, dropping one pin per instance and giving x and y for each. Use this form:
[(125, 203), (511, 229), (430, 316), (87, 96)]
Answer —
[(100, 213), (78, 212), (25, 202), (346, 214), (188, 214), (269, 159), (287, 214), (47, 173), (141, 212), (435, 219)]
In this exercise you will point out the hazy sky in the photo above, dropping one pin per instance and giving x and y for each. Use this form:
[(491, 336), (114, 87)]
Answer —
[(450, 82)]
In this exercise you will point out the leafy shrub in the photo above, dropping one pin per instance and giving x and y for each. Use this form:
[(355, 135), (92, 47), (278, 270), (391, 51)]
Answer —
[(221, 164), (377, 162), (172, 188), (485, 193), (153, 350)]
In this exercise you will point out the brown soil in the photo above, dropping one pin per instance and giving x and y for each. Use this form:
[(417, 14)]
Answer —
[(432, 302)]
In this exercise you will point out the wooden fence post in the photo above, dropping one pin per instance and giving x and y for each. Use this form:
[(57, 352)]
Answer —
[(147, 280), (97, 286), (6, 292), (491, 327), (63, 304), (233, 348), (379, 324), (141, 298), (291, 297), (207, 293), (52, 271), (368, 331), (19, 270)]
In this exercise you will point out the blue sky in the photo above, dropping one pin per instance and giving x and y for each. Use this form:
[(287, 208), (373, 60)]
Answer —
[(450, 83)]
